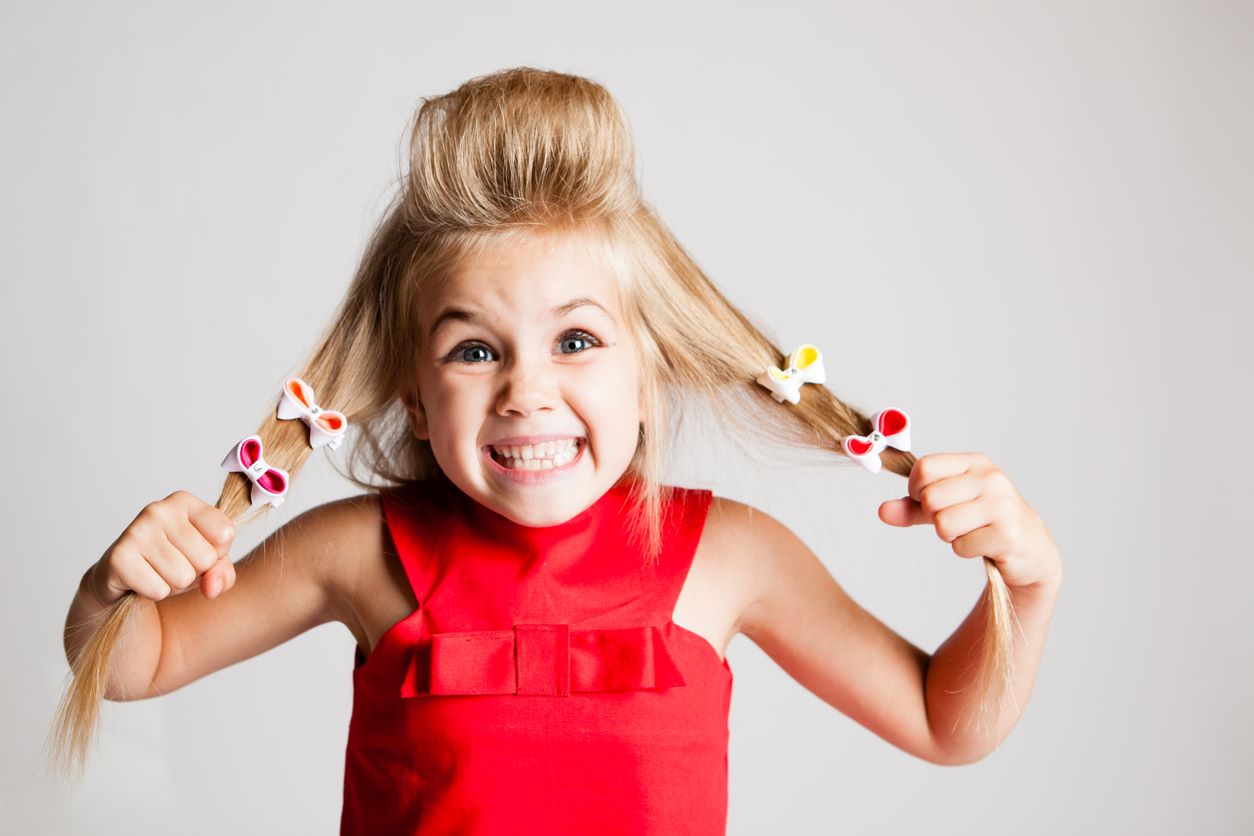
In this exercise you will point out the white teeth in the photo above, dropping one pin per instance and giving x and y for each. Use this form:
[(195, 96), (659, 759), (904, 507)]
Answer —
[(543, 456)]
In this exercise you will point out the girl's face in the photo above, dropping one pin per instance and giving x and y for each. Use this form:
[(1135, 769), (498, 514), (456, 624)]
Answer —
[(528, 381)]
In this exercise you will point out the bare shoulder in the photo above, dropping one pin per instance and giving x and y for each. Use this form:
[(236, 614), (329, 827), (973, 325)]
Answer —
[(734, 543), (719, 586), (353, 544), (303, 574)]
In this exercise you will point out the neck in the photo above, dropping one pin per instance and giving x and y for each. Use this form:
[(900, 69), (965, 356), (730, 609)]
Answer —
[(560, 542)]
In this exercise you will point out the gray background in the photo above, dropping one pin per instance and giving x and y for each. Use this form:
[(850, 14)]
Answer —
[(1027, 225)]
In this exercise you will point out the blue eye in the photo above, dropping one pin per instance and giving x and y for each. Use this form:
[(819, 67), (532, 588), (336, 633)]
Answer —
[(575, 337), (582, 336), (460, 351)]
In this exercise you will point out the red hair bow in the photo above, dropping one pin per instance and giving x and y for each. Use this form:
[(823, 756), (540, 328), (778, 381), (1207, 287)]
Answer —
[(892, 429)]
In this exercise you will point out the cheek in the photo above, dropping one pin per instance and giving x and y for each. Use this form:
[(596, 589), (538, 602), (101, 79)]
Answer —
[(610, 400), (452, 392), (449, 406), (603, 387)]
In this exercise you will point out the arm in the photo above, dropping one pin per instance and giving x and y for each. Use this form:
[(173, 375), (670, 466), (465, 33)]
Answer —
[(804, 620), (952, 695), (301, 576), (975, 508)]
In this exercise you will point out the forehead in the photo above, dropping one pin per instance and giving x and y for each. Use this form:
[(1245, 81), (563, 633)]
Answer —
[(527, 280)]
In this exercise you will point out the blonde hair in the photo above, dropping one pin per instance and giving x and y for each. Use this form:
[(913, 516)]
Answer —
[(511, 157)]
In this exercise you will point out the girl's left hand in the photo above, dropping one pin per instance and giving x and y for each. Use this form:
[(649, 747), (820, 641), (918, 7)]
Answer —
[(976, 509)]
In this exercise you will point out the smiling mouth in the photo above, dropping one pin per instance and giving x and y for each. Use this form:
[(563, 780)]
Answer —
[(537, 457)]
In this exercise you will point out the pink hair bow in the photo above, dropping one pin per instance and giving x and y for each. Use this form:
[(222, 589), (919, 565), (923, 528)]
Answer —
[(326, 426), (892, 429), (269, 483), (805, 365)]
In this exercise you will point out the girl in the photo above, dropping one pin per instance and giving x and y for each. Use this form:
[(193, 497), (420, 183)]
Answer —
[(511, 353)]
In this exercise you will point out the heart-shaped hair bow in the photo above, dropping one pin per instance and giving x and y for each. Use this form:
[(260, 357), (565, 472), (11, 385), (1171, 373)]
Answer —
[(269, 483), (326, 426), (805, 365), (892, 429)]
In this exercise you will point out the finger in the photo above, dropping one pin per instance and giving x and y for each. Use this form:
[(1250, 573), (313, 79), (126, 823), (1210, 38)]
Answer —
[(213, 525), (903, 512), (950, 491), (187, 539), (135, 572), (218, 579), (957, 520), (170, 563), (936, 466), (985, 541)]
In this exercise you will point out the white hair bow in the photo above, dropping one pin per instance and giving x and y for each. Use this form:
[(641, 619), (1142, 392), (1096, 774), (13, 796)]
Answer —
[(891, 429), (269, 483), (326, 426), (805, 365)]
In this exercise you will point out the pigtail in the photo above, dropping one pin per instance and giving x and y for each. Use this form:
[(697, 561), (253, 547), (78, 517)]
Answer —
[(78, 712), (708, 349), (355, 367)]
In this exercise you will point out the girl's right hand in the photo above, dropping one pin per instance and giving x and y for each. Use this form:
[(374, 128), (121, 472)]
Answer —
[(169, 546)]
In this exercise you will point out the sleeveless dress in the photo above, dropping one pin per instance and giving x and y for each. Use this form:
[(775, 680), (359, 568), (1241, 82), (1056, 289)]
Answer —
[(541, 685)]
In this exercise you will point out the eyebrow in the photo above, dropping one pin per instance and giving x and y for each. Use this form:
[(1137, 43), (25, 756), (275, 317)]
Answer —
[(463, 315)]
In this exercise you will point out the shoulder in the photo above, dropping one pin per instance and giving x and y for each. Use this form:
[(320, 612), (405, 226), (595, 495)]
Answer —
[(346, 538), (766, 570), (345, 521), (740, 547), (742, 528)]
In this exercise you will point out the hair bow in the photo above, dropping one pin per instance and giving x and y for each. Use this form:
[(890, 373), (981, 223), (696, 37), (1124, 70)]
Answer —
[(269, 483), (326, 426), (892, 429), (805, 365)]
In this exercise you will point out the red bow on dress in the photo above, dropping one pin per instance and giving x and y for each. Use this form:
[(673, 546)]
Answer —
[(541, 659)]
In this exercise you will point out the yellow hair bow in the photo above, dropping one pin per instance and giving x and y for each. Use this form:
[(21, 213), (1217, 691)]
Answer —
[(805, 365)]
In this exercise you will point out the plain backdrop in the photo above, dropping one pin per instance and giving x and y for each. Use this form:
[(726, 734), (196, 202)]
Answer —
[(1028, 225)]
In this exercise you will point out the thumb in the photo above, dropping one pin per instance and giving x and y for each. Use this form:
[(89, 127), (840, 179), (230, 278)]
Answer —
[(902, 512), (218, 579)]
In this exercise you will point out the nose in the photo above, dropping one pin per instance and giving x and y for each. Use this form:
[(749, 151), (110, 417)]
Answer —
[(528, 387)]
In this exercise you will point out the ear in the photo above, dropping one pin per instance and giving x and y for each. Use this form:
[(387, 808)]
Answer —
[(417, 415)]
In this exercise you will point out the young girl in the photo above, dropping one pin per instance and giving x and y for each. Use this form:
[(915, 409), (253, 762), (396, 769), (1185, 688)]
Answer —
[(541, 624)]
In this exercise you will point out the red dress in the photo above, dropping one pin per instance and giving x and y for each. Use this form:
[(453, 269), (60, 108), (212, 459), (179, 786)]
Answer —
[(541, 685)]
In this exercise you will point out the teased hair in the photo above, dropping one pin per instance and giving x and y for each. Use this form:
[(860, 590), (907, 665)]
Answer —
[(513, 157)]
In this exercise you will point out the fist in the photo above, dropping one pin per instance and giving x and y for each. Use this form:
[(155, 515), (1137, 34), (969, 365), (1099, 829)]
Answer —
[(975, 508), (171, 545)]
